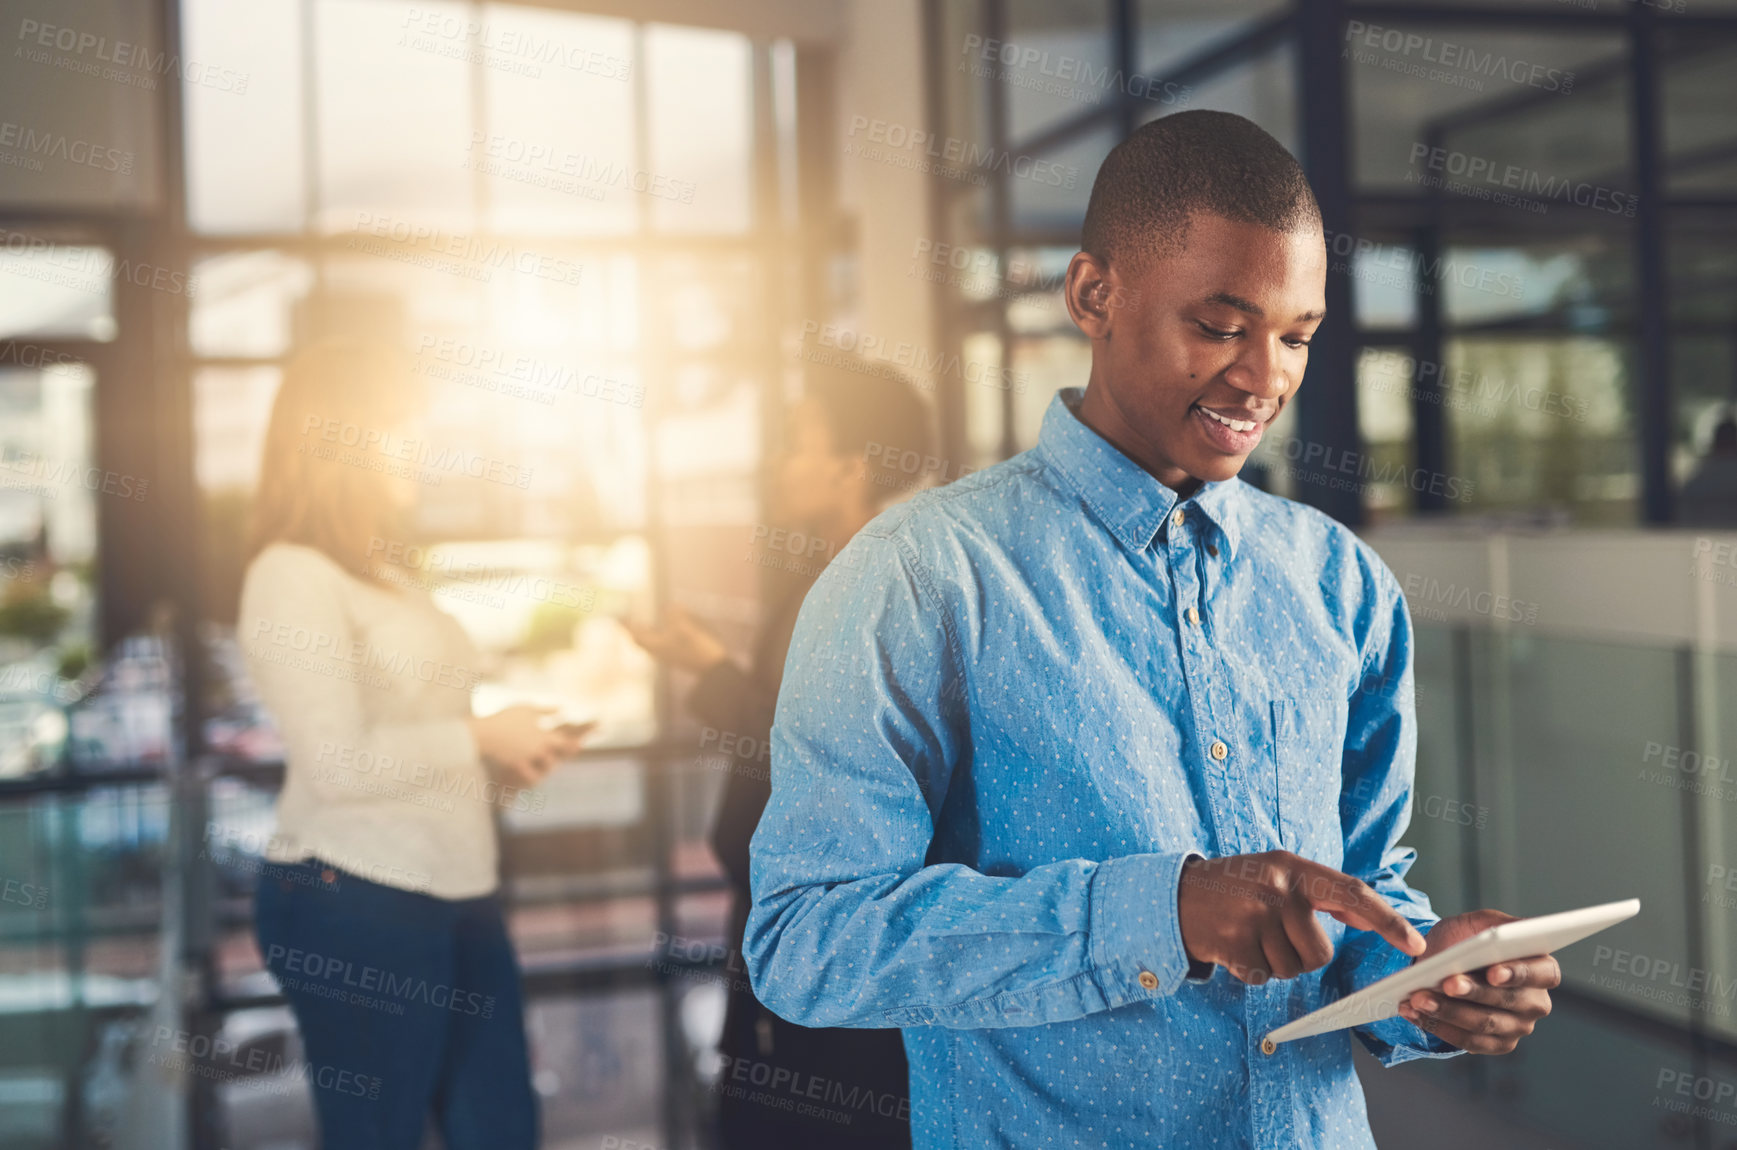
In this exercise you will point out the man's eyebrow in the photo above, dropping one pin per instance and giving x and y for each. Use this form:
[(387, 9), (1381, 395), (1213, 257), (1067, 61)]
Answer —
[(1243, 305)]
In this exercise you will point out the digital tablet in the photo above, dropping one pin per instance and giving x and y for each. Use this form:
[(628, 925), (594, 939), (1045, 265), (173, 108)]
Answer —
[(1522, 938)]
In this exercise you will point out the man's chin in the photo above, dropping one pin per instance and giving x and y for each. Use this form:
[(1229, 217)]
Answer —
[(1217, 470)]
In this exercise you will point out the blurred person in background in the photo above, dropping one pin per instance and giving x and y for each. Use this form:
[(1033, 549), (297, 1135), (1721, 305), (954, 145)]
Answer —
[(855, 443), (1709, 498), (378, 913)]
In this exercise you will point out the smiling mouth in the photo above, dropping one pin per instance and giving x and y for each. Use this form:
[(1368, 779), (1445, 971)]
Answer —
[(1233, 424)]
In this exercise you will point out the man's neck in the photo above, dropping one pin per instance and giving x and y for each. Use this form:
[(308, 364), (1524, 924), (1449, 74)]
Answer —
[(1099, 412)]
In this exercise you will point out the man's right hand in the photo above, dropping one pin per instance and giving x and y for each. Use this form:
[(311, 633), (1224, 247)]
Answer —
[(1254, 915)]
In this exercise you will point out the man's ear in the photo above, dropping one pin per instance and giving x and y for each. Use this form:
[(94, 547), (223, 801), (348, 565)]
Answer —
[(1092, 291)]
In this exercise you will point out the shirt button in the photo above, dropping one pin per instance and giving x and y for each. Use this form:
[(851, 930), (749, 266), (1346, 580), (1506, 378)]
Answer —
[(1148, 980), (1219, 750), (1178, 517), (1194, 615)]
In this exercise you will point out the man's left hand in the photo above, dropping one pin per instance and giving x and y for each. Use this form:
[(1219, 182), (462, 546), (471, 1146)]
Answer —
[(1486, 1011)]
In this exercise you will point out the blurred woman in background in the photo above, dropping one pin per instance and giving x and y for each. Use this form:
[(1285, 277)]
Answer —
[(379, 917), (845, 445)]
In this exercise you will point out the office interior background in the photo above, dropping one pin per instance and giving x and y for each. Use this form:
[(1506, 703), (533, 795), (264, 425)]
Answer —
[(611, 234)]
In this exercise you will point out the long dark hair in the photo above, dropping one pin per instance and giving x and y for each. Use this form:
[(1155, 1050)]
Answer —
[(322, 482)]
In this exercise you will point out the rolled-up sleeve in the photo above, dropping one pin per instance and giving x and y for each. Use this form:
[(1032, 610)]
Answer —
[(851, 925)]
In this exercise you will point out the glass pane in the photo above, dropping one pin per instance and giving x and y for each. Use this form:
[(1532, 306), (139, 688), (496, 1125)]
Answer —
[(707, 143), (48, 607), (1543, 423), (80, 127), (1040, 368), (1449, 826), (1579, 284), (1384, 422), (1054, 64), (1409, 83), (231, 406), (246, 303), (51, 289), (558, 153), (1049, 192), (245, 169), (1172, 31), (1264, 90), (1699, 140), (393, 90), (1573, 757)]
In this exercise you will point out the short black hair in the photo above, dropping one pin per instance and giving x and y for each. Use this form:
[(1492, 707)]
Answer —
[(875, 415), (1154, 181)]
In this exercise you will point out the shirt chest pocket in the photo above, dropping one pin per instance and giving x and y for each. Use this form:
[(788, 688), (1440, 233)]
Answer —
[(1309, 744)]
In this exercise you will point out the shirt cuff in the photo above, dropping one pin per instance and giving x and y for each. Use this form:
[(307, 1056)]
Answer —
[(1397, 1039), (1136, 943)]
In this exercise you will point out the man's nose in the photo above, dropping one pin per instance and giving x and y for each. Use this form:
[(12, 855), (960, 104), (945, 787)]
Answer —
[(1260, 370)]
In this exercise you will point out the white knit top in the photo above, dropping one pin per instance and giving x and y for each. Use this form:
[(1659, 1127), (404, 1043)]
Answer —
[(370, 689)]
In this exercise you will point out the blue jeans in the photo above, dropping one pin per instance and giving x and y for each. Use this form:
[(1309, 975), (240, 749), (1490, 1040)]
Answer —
[(408, 1006)]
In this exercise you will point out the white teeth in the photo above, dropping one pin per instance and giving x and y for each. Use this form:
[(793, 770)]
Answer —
[(1233, 424)]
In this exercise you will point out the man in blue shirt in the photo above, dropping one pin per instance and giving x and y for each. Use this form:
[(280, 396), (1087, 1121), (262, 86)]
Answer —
[(1070, 753)]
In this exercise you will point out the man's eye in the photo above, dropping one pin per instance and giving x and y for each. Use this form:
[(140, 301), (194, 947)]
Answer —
[(1217, 333), (1297, 341)]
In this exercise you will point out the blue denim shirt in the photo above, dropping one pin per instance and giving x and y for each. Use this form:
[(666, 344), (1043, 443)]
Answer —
[(993, 752)]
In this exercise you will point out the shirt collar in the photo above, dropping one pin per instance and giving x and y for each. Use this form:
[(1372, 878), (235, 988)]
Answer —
[(1119, 492)]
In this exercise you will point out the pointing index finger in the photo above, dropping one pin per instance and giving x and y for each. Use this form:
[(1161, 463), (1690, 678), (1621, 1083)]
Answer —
[(1353, 903)]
